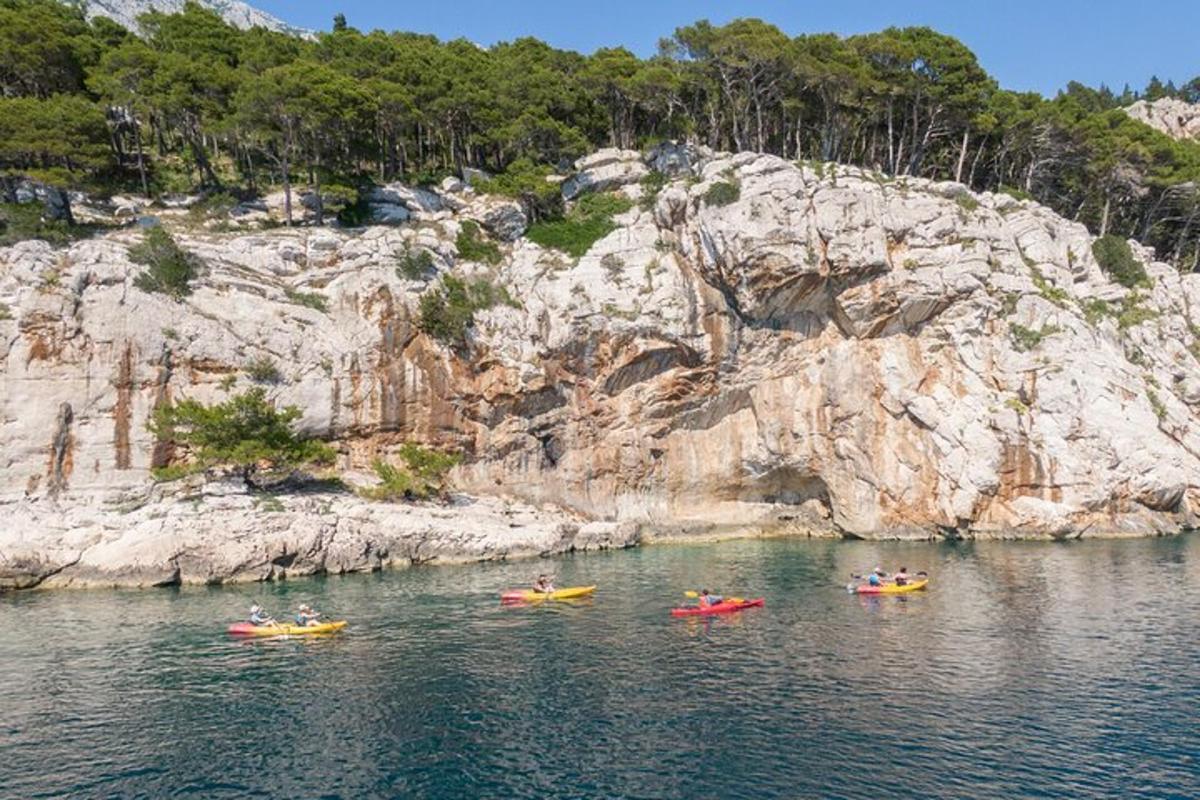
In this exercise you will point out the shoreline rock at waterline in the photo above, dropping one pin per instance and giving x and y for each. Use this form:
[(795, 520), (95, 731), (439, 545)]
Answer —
[(224, 534)]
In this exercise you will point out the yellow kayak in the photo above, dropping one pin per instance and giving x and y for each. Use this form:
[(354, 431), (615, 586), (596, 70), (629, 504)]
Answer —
[(530, 596), (246, 629), (891, 588)]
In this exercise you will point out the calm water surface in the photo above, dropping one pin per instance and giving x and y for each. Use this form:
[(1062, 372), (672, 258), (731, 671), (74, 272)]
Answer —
[(1028, 670)]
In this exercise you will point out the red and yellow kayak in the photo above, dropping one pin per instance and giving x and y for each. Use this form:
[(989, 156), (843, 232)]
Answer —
[(891, 588), (530, 596), (246, 629), (726, 607)]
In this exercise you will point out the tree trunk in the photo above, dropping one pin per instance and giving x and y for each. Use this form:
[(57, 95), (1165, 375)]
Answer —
[(962, 157), (141, 156), (1104, 217)]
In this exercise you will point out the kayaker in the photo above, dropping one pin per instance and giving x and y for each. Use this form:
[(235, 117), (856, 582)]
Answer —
[(901, 577), (307, 618), (707, 599), (543, 585), (259, 616), (876, 577)]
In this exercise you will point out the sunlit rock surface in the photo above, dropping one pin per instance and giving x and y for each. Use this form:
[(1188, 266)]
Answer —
[(832, 352)]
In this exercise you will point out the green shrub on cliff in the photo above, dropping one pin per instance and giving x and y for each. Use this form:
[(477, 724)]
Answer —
[(448, 311), (526, 181), (473, 245), (722, 193), (421, 475), (587, 223), (169, 268), (246, 432), (1115, 257)]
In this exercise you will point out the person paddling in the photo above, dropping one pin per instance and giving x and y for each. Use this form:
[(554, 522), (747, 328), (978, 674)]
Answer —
[(543, 585), (259, 616), (876, 577), (901, 578), (706, 599), (307, 618)]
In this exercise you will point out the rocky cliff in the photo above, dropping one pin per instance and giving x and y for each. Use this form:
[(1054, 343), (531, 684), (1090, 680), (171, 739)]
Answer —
[(1175, 118), (236, 13), (760, 345)]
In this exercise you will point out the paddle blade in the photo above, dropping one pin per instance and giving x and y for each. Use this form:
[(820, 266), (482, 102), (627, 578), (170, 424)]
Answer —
[(692, 595)]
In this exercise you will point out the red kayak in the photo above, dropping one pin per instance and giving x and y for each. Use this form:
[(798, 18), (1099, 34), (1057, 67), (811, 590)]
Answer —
[(727, 607)]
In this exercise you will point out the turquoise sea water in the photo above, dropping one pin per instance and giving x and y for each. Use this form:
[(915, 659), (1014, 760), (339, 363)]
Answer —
[(1028, 670)]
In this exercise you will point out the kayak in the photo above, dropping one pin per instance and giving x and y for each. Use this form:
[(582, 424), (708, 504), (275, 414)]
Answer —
[(891, 588), (246, 629), (530, 596), (727, 607)]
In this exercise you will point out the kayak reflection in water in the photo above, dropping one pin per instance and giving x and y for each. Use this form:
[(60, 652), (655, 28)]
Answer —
[(259, 616), (705, 600), (543, 585), (307, 618)]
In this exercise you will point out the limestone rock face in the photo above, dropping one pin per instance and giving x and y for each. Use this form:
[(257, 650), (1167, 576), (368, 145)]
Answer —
[(1176, 118), (832, 352), (604, 170), (221, 534), (235, 12)]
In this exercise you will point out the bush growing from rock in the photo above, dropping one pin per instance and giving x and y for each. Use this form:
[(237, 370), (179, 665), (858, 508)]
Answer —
[(170, 269), (19, 222), (587, 223), (307, 299), (722, 193), (472, 245), (263, 370), (526, 182), (420, 476), (1026, 339), (246, 433), (448, 312), (414, 265), (1115, 257)]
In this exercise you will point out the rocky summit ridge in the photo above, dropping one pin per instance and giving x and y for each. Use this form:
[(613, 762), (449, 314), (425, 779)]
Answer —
[(1172, 116), (236, 13), (759, 345)]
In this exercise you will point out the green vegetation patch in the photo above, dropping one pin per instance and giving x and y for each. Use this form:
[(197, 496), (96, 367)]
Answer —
[(473, 245), (170, 269), (587, 223), (246, 432), (1026, 339), (263, 370), (414, 265), (723, 193), (447, 313), (526, 181), (311, 300), (652, 186), (20, 222), (1160, 409), (1115, 257), (1049, 291), (1132, 313), (967, 203), (420, 475)]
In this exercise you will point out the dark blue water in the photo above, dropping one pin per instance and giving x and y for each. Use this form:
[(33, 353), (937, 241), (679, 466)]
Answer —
[(1028, 670)]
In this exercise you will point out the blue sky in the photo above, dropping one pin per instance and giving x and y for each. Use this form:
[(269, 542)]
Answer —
[(1027, 44)]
